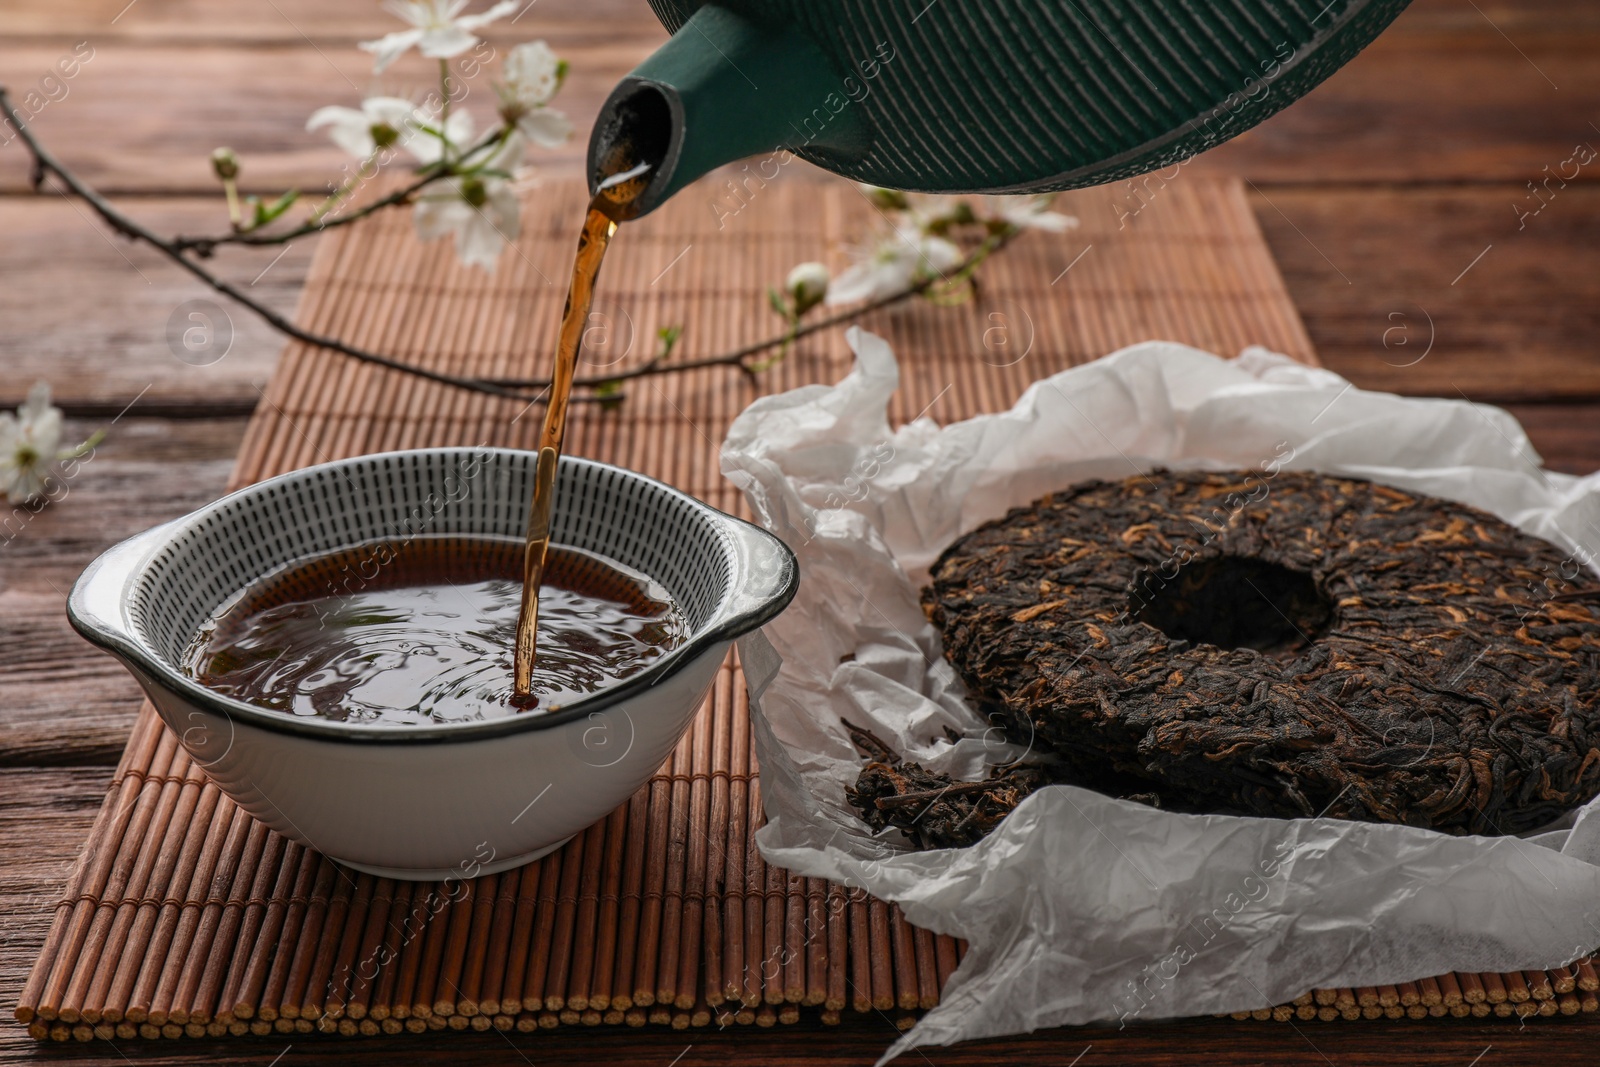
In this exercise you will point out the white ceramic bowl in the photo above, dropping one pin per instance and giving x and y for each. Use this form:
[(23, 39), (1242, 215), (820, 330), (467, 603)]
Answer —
[(438, 800)]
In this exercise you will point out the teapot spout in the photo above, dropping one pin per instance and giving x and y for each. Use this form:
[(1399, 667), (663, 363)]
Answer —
[(722, 88)]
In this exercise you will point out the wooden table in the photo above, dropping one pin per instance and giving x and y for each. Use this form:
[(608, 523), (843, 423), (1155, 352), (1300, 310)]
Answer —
[(1389, 198)]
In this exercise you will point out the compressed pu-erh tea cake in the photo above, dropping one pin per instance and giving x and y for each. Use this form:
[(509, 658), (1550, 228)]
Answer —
[(1279, 644)]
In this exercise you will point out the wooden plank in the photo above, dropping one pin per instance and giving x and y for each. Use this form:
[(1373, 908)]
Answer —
[(325, 21), (1566, 436), (1195, 1043), (144, 118), (1423, 105), (91, 313), (66, 702), (285, 21), (45, 815), (1366, 266)]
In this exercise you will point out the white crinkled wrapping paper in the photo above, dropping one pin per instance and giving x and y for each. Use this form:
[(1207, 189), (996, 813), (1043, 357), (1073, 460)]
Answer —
[(1082, 908)]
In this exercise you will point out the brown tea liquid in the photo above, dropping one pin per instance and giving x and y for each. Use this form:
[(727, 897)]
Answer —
[(608, 206), (421, 631)]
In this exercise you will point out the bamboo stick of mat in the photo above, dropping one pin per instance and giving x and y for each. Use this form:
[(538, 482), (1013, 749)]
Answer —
[(792, 955), (527, 906), (366, 962), (838, 905), (492, 974), (425, 899), (629, 910), (153, 922), (464, 949), (643, 994), (347, 943), (608, 917), (227, 834), (565, 919), (205, 970), (773, 935), (108, 874), (585, 913), (292, 999), (241, 926), (533, 986), (272, 953), (860, 952), (686, 982), (386, 960), (677, 858), (91, 985), (735, 899), (907, 987), (881, 955), (717, 831), (320, 964), (86, 878), (816, 943)]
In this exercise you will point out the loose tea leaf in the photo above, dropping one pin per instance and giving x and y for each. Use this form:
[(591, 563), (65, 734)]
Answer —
[(1278, 643), (932, 809)]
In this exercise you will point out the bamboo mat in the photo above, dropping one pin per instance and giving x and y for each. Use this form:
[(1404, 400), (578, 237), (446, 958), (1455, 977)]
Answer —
[(185, 918)]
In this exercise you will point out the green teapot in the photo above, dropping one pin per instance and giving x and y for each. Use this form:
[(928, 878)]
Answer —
[(1005, 96)]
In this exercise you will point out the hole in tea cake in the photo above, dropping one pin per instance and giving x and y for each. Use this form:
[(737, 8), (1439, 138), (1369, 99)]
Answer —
[(1236, 602)]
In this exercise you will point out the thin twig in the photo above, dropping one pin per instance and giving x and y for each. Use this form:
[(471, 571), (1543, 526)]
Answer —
[(204, 246), (900, 800), (737, 357), (525, 390)]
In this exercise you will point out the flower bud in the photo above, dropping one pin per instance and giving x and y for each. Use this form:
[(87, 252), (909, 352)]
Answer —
[(886, 199), (474, 192), (225, 164), (808, 285)]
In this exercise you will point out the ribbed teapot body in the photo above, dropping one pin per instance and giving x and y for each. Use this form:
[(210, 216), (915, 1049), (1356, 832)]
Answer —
[(1037, 95)]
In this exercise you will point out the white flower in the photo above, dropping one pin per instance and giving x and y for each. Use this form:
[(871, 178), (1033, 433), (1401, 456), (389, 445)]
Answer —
[(893, 264), (438, 29), (533, 73), (482, 213), (30, 447), (423, 141), (533, 76), (480, 209), (1028, 213), (807, 284), (380, 122)]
